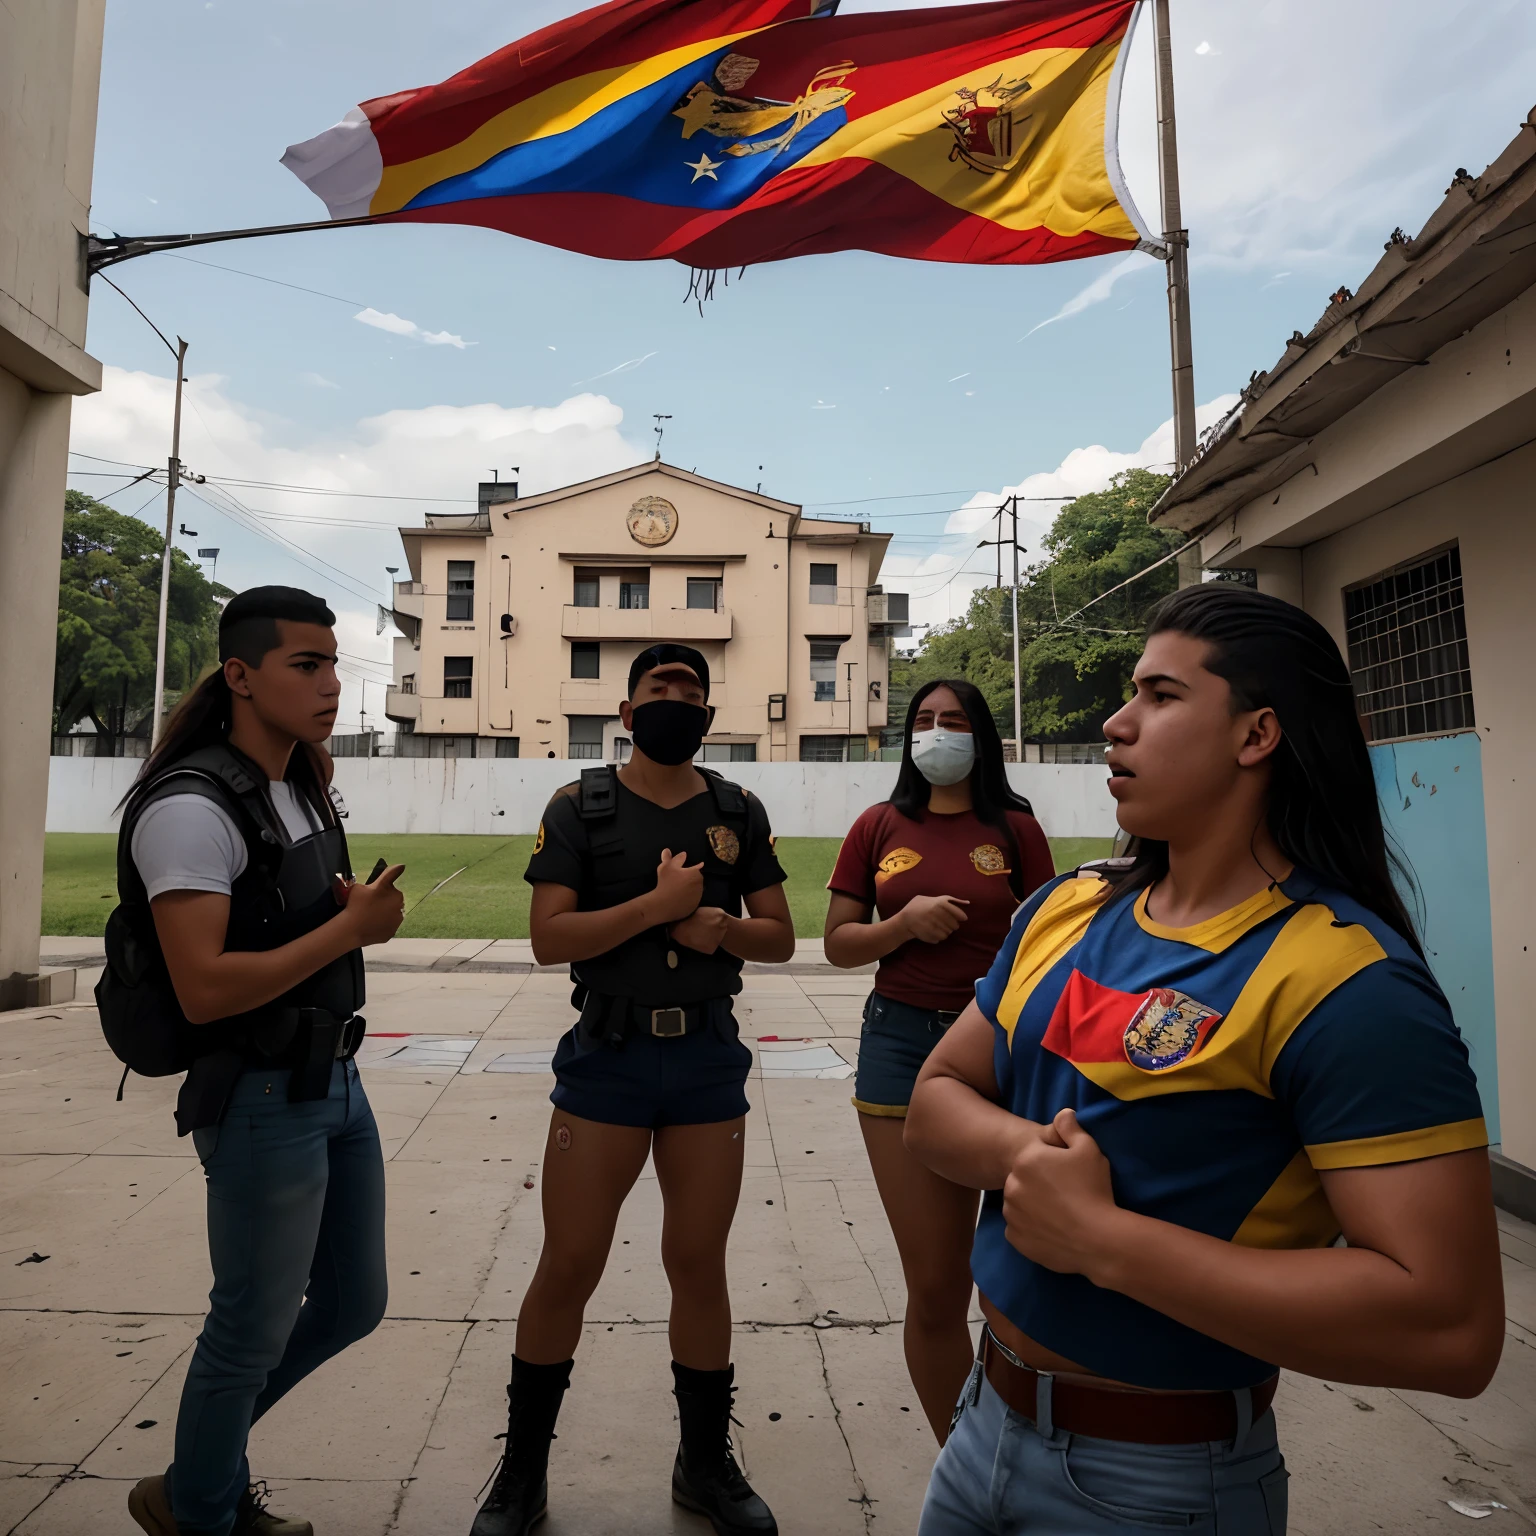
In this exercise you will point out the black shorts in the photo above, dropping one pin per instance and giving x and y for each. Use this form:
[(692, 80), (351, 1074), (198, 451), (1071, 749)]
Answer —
[(697, 1079)]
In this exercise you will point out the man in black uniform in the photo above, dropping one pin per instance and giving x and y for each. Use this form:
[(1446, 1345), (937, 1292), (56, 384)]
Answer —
[(639, 878)]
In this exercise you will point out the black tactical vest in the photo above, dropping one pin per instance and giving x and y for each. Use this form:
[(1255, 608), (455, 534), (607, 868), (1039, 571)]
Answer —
[(285, 891)]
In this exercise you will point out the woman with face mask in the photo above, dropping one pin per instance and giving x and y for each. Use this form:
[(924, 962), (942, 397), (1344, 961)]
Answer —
[(926, 883)]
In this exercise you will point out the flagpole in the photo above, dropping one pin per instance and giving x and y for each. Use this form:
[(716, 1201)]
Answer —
[(1177, 240), (98, 251)]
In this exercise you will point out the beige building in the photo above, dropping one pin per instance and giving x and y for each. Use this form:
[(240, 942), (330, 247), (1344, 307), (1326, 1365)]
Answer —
[(519, 622), (1380, 475), (50, 65)]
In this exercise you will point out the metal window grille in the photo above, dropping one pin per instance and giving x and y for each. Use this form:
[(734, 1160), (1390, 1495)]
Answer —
[(586, 736), (1407, 637), (823, 749), (586, 591), (634, 594)]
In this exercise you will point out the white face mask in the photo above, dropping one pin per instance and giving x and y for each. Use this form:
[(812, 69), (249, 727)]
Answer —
[(943, 757)]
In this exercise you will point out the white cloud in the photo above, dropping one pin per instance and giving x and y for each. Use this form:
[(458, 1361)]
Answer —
[(434, 451), (1095, 292), (396, 325), (938, 594)]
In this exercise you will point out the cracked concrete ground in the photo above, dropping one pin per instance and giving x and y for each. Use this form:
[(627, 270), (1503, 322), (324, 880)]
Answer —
[(395, 1437)]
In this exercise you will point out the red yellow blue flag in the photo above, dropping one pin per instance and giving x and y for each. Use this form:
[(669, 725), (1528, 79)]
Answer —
[(723, 133)]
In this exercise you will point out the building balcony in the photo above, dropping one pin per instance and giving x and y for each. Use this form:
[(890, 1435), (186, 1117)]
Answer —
[(401, 706), (685, 624), (591, 695)]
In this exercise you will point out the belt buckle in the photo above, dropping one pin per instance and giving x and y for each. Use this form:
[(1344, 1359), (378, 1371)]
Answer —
[(668, 1023)]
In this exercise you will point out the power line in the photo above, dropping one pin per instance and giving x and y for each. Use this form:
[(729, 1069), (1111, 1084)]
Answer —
[(298, 287)]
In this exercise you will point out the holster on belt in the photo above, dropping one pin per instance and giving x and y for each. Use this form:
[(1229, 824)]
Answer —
[(319, 1041)]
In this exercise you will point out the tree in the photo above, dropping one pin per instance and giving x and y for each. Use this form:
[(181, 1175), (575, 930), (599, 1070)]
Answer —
[(109, 599), (1074, 674)]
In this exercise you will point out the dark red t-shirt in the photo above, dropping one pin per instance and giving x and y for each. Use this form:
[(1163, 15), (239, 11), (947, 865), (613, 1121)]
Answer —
[(887, 859)]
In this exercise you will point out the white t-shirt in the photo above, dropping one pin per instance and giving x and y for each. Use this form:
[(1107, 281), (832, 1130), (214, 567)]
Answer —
[(191, 843)]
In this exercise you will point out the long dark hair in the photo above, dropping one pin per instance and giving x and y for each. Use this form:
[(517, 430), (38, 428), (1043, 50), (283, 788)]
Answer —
[(1324, 812), (992, 797)]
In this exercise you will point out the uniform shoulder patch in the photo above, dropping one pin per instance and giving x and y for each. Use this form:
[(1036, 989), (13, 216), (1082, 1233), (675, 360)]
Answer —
[(538, 842)]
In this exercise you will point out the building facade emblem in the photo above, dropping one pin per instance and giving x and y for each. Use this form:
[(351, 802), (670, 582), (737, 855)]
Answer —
[(652, 521)]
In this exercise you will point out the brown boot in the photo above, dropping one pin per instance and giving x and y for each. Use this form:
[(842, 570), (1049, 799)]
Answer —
[(253, 1518)]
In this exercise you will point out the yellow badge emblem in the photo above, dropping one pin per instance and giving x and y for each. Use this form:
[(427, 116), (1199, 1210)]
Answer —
[(538, 842), (897, 862), (726, 844), (988, 860)]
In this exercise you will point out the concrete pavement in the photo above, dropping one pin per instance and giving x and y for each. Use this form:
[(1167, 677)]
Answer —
[(103, 1275)]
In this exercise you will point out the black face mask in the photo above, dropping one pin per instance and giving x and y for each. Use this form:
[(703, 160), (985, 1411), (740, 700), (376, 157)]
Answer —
[(669, 731)]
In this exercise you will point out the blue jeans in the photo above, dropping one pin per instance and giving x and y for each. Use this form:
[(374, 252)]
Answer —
[(296, 1236), (1000, 1474)]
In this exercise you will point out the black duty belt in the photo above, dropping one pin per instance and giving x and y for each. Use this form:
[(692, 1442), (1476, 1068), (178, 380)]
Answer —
[(319, 1040), (616, 1018)]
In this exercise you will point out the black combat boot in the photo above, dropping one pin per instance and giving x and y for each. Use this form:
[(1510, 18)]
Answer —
[(705, 1477), (519, 1495)]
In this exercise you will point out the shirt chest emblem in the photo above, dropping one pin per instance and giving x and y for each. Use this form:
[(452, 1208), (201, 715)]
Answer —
[(988, 860), (897, 862), (1166, 1029), (725, 844)]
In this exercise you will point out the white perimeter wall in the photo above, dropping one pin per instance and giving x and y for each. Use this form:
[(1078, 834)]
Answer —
[(498, 795)]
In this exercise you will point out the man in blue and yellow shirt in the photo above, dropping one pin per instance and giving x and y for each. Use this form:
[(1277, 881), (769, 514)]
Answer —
[(1187, 1074)]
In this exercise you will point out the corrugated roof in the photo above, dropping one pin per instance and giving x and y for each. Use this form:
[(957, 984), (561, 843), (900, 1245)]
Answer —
[(1476, 253)]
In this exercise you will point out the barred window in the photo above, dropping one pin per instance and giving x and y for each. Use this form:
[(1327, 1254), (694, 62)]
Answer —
[(1407, 636)]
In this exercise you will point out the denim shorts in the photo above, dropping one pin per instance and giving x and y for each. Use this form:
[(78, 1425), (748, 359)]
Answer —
[(697, 1079), (893, 1045)]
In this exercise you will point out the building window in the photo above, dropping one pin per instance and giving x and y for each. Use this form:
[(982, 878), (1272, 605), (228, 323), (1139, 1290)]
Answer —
[(730, 752), (823, 749), (704, 592), (823, 583), (824, 669), (585, 594), (634, 594), (586, 734), (461, 590), (1407, 637), (408, 683), (507, 746), (585, 655), (458, 677)]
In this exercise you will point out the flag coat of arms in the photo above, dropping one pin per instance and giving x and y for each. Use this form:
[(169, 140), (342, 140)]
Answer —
[(723, 133)]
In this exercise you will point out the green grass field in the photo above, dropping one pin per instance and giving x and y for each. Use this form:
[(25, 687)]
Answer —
[(485, 896)]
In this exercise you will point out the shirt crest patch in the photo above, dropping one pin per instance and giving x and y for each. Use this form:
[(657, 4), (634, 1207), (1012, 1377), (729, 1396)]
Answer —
[(897, 862), (538, 842), (726, 845), (1167, 1028), (988, 860)]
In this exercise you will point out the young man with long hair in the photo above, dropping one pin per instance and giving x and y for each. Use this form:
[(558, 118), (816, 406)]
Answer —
[(926, 883), (239, 941), (1186, 1076), (640, 876)]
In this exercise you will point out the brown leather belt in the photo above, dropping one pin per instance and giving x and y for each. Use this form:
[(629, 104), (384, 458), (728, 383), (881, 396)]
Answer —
[(1111, 1413)]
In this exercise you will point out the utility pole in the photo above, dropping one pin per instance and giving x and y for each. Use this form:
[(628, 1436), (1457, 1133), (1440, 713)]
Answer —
[(1018, 714), (1177, 240), (173, 473)]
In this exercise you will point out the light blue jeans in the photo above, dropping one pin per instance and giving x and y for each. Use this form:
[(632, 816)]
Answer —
[(296, 1236), (999, 1474)]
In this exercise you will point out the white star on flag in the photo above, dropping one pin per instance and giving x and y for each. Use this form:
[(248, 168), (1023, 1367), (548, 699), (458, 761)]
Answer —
[(704, 166)]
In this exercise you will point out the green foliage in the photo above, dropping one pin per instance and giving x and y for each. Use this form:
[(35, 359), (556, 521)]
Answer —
[(109, 597), (1076, 675)]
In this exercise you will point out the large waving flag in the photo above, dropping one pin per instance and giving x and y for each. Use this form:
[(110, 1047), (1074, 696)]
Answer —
[(723, 133)]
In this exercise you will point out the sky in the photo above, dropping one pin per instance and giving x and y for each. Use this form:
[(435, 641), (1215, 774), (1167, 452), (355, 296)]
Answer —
[(395, 367)]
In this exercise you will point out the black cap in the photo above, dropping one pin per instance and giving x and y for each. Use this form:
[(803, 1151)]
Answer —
[(664, 656)]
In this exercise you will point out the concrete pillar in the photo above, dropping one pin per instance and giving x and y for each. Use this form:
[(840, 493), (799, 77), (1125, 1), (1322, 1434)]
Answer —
[(34, 444)]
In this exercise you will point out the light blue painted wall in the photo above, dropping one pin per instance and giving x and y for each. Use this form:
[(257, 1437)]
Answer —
[(1432, 800)]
